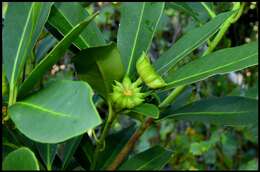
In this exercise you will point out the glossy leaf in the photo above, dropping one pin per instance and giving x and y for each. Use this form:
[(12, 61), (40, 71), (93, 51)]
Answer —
[(21, 159), (47, 153), (66, 15), (44, 46), (225, 111), (52, 57), (154, 158), (99, 66), (219, 62), (114, 143), (138, 24), (189, 42), (147, 109), (22, 26), (57, 113)]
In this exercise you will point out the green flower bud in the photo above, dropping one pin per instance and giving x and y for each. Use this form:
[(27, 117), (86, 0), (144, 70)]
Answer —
[(126, 94), (148, 73)]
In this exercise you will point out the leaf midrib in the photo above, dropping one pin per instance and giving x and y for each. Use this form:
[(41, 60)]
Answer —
[(80, 36), (155, 27), (20, 45), (46, 110), (212, 70), (135, 39), (188, 49), (47, 57)]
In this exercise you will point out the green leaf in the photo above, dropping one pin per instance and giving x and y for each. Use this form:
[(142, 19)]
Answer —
[(57, 113), (147, 109), (52, 57), (22, 26), (21, 159), (66, 15), (138, 24), (84, 153), (189, 42), (183, 6), (44, 46), (99, 66), (69, 149), (225, 111), (47, 153), (203, 15), (114, 144), (154, 158), (219, 62)]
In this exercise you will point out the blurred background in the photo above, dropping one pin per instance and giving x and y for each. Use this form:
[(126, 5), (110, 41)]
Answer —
[(196, 145)]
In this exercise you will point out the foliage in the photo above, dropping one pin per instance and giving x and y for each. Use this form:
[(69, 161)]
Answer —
[(129, 86)]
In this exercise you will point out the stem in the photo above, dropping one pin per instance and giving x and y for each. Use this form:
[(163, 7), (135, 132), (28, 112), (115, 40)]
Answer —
[(224, 28), (211, 13), (12, 96), (130, 144), (100, 144), (173, 95)]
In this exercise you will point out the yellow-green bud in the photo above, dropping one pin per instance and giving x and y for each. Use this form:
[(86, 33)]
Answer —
[(148, 73)]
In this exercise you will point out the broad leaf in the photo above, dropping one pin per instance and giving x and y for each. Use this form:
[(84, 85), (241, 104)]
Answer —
[(114, 143), (66, 15), (219, 62), (224, 111), (47, 153), (189, 42), (44, 46), (21, 159), (22, 26), (147, 109), (138, 24), (154, 158), (52, 57), (57, 113), (99, 66)]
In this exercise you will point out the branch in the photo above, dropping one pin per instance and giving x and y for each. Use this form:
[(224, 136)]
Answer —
[(124, 152)]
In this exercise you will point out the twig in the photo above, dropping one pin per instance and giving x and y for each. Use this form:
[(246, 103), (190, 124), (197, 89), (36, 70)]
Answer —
[(101, 143), (124, 152)]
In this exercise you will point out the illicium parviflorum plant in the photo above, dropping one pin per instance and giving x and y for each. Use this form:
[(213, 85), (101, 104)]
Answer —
[(93, 111)]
